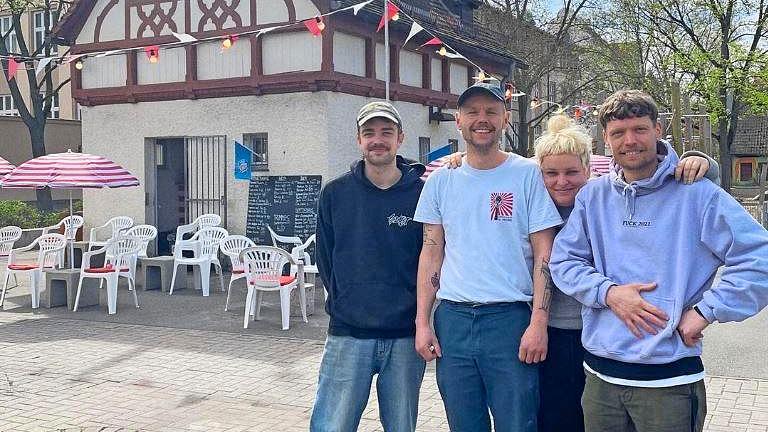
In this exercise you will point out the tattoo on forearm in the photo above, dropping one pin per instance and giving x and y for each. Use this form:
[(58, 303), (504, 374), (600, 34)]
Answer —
[(435, 279), (427, 239), (549, 286)]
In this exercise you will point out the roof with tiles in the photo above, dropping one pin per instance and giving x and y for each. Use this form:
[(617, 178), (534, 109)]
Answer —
[(751, 137)]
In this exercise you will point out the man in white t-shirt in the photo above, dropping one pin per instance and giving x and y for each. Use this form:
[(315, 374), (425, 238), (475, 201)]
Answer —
[(488, 231)]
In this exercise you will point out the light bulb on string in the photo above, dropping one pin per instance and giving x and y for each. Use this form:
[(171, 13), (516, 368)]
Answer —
[(320, 23), (79, 65), (228, 41), (396, 16), (442, 51), (153, 59)]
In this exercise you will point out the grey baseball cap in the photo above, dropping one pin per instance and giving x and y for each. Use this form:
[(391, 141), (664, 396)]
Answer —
[(378, 109), (489, 89)]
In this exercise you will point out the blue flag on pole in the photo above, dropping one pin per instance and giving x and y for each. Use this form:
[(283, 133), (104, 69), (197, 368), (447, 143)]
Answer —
[(438, 153), (243, 157)]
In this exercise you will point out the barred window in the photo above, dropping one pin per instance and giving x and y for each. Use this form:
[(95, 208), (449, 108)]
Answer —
[(258, 143), (423, 149)]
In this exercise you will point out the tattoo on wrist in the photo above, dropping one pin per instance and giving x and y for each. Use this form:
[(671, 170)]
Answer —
[(435, 279), (549, 286), (428, 240)]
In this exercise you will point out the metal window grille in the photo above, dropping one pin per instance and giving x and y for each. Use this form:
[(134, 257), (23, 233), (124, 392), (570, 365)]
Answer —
[(423, 149), (258, 143), (454, 145)]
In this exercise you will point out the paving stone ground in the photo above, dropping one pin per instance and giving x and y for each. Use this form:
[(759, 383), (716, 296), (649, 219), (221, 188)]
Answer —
[(197, 369)]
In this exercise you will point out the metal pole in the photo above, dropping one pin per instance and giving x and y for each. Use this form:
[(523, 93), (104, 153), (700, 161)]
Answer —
[(386, 50), (71, 242)]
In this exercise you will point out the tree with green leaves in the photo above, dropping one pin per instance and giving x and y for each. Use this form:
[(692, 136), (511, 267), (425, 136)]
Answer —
[(716, 49), (16, 46)]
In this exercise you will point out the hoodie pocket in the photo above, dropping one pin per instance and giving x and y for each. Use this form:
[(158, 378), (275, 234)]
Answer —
[(610, 336), (375, 305)]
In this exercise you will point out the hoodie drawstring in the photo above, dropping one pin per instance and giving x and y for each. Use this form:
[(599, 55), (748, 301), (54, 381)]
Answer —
[(629, 193)]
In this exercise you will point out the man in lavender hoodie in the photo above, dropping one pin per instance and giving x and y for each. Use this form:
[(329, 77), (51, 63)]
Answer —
[(640, 252)]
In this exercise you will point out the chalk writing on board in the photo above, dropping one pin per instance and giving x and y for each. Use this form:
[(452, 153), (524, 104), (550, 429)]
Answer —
[(286, 203)]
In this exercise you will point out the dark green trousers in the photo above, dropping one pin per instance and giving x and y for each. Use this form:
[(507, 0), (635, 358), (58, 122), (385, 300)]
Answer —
[(617, 408)]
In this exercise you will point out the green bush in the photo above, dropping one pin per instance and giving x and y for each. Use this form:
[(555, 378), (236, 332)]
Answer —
[(18, 213), (24, 215)]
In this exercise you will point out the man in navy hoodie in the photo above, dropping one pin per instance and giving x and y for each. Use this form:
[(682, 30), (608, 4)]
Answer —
[(640, 251), (368, 249)]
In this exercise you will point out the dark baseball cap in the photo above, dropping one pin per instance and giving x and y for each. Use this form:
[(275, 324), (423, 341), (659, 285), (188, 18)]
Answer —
[(378, 109), (489, 89)]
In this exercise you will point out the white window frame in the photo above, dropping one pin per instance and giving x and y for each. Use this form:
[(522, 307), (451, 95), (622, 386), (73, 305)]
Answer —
[(39, 31), (11, 43), (8, 106), (55, 109)]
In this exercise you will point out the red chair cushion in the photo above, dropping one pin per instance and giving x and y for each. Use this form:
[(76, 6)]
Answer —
[(107, 269), (284, 280), (238, 271), (22, 266)]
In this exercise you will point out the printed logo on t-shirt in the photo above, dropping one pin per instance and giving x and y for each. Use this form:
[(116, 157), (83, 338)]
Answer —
[(636, 224), (399, 220), (501, 205)]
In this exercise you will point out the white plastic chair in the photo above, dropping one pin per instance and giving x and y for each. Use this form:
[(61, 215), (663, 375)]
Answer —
[(120, 254), (8, 237), (264, 267), (51, 246), (231, 247), (115, 226), (145, 233), (277, 239), (71, 224), (202, 221), (205, 246)]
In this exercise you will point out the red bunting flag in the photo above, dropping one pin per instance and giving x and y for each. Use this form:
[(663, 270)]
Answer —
[(392, 13), (13, 66), (315, 25), (153, 53), (433, 41)]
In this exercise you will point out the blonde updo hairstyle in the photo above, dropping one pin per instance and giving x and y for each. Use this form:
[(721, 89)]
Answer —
[(564, 136)]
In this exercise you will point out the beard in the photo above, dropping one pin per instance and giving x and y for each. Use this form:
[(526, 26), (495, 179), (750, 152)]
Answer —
[(482, 147)]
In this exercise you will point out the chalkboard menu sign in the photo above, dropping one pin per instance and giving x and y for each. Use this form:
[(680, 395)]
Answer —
[(286, 203)]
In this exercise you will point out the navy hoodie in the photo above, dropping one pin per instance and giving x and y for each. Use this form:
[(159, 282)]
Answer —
[(368, 248)]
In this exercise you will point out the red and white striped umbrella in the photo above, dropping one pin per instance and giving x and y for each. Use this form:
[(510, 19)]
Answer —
[(5, 167), (69, 171)]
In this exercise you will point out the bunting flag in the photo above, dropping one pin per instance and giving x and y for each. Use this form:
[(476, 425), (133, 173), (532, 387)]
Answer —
[(106, 53), (72, 57), (13, 66), (267, 30), (315, 25), (433, 41), (42, 64), (415, 29), (243, 158), (356, 8), (392, 12), (184, 37), (449, 54)]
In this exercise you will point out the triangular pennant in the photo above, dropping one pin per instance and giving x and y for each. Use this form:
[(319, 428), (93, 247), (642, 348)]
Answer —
[(184, 37), (267, 30), (451, 55), (315, 25), (13, 66), (42, 64), (356, 8), (106, 53), (392, 11), (433, 41), (72, 57), (415, 29)]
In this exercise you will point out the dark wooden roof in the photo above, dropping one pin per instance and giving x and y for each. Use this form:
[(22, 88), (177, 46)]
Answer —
[(751, 137)]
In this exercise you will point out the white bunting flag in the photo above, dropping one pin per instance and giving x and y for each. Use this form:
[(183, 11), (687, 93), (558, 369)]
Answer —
[(42, 64), (106, 53), (452, 55), (184, 37), (415, 29), (356, 8)]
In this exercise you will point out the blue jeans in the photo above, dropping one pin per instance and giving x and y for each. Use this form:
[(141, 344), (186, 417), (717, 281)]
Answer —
[(346, 371), (479, 368)]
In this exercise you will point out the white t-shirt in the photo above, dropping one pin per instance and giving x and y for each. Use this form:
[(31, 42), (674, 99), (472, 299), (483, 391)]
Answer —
[(487, 216)]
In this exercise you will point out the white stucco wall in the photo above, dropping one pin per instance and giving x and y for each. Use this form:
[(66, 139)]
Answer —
[(309, 134), (295, 123)]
